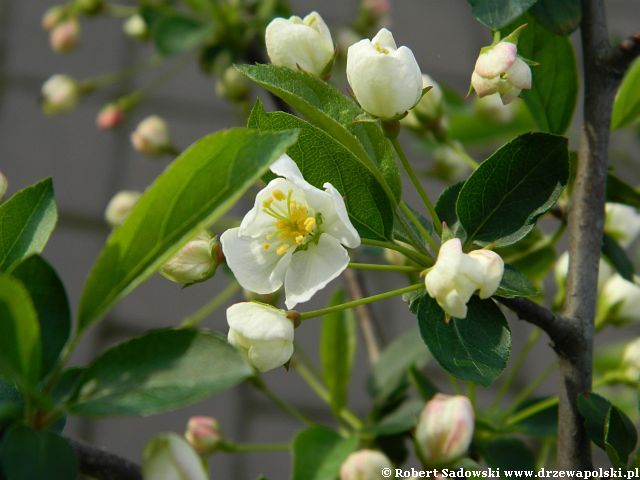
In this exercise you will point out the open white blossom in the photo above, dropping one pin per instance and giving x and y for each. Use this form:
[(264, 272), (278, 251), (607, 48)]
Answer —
[(262, 333), (622, 222), (295, 235), (456, 276), (303, 43), (385, 79)]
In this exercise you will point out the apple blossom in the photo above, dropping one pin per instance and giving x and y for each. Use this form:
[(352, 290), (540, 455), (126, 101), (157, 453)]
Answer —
[(456, 276), (151, 136), (110, 116), (65, 35), (264, 334), (620, 298), (196, 262), (60, 93), (364, 465), (385, 79), (295, 235), (445, 428), (203, 434), (119, 207), (170, 457), (300, 43), (135, 27), (622, 222), (499, 69)]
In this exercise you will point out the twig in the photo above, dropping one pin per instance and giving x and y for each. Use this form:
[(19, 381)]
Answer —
[(365, 315), (102, 465), (620, 58)]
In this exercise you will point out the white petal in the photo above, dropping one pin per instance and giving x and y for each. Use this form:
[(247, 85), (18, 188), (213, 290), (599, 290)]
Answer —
[(256, 269), (519, 74), (493, 269), (497, 60), (484, 86), (312, 269), (270, 354), (258, 321), (256, 223), (384, 38), (337, 223)]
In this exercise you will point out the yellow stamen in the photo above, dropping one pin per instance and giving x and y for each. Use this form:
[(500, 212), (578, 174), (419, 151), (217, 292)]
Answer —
[(265, 246), (278, 195), (282, 249), (310, 224), (267, 203), (299, 239)]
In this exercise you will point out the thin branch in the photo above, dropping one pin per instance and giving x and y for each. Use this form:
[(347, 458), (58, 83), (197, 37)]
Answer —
[(365, 315), (620, 58), (102, 465)]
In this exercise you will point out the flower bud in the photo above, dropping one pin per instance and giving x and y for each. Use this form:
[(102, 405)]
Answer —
[(364, 465), (53, 16), (232, 85), (4, 186), (59, 94), (385, 80), (89, 7), (445, 428), (151, 137), (196, 262), (119, 207), (622, 222), (264, 334), (135, 27), (499, 69), (448, 163), (297, 43), (631, 360), (65, 36), (170, 457), (620, 299), (456, 276), (203, 434), (110, 116), (492, 108)]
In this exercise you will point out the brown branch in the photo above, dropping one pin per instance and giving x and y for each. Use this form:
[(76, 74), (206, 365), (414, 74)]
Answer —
[(620, 58), (102, 465), (365, 315)]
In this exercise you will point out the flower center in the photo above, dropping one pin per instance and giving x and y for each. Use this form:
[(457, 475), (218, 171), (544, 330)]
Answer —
[(294, 224), (380, 48)]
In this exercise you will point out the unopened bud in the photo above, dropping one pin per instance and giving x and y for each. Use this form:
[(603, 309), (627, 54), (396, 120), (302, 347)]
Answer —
[(65, 36), (445, 428), (492, 108), (120, 206), (4, 186), (170, 457), (110, 116), (136, 27), (195, 262), (53, 16), (89, 7), (151, 137), (631, 360), (233, 86), (429, 108), (365, 465), (59, 94), (203, 434), (622, 222), (448, 162)]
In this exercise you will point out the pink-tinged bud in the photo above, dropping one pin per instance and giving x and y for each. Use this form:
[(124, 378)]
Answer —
[(364, 465), (65, 36), (151, 137), (120, 206), (204, 435), (52, 17), (110, 117), (378, 7), (445, 428), (4, 185), (60, 94)]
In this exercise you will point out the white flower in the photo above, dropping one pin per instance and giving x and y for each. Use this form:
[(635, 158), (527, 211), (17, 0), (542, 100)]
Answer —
[(499, 69), (119, 207), (262, 333), (621, 299), (561, 269), (60, 93), (364, 465), (300, 43), (195, 262), (135, 27), (445, 428), (4, 185), (294, 235), (622, 222), (456, 276), (386, 80), (170, 457), (151, 136)]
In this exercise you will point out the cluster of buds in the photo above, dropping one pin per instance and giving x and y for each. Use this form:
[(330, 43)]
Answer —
[(151, 137), (365, 465), (120, 206), (170, 457), (4, 186), (203, 434), (456, 276), (60, 94), (196, 262)]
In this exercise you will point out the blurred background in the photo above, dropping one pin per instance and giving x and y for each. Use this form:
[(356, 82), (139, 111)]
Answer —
[(88, 166)]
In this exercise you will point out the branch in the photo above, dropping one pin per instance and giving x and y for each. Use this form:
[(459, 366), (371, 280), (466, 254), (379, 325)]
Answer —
[(620, 58), (365, 315), (102, 465)]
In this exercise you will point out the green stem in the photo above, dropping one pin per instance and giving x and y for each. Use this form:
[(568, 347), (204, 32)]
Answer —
[(390, 268), (120, 11), (418, 224), (532, 387), (230, 447), (531, 410), (459, 149), (417, 185), (109, 78), (455, 384), (419, 258), (215, 303), (259, 384), (374, 298)]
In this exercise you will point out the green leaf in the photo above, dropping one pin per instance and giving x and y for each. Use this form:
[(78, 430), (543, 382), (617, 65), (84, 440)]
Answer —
[(321, 159), (532, 256), (391, 369), (507, 453), (554, 93), (26, 222), (594, 410), (406, 231), (32, 455), (542, 424), (402, 419), (337, 351), (496, 14), (559, 16), (505, 195), (20, 339), (446, 209), (159, 371), (52, 306), (475, 348), (336, 114), (193, 192), (178, 33), (626, 106), (621, 192), (318, 453), (514, 284), (617, 257)]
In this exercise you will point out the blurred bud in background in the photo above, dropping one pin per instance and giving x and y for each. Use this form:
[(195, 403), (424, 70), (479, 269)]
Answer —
[(136, 27), (65, 35), (53, 16), (60, 94), (631, 360), (151, 136), (619, 301), (170, 457), (364, 465), (203, 434), (4, 186), (233, 85), (110, 116), (492, 108), (622, 222), (196, 262), (120, 206)]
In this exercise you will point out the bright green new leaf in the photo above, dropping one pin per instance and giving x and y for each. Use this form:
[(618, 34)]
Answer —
[(475, 348), (20, 339), (505, 195), (177, 33), (559, 16), (193, 192), (26, 222), (496, 14), (321, 159), (159, 371), (626, 106), (318, 453)]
